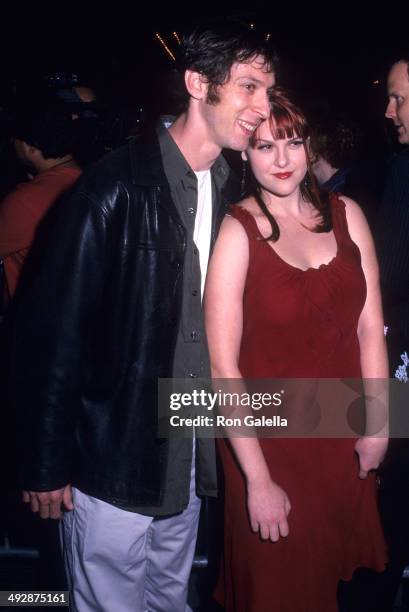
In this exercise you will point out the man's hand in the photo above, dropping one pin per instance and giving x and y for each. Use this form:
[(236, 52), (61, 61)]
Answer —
[(371, 452), (49, 504), (268, 507)]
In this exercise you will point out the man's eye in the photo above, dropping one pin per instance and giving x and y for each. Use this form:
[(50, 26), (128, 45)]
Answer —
[(249, 86)]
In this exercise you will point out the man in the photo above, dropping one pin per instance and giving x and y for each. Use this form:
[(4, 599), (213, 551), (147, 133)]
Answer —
[(394, 216), (42, 140), (393, 253), (333, 142), (369, 591), (398, 105), (341, 165), (116, 306)]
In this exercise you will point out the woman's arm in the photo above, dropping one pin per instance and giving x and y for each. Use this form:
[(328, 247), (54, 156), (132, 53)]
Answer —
[(268, 505), (374, 360)]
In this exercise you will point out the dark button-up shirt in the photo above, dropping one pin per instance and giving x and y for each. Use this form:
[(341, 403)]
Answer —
[(191, 358)]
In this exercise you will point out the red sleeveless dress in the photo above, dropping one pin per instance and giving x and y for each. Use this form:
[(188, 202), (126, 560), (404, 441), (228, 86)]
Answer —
[(299, 324)]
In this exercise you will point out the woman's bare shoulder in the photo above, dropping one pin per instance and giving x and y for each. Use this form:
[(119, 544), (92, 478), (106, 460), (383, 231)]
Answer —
[(250, 205)]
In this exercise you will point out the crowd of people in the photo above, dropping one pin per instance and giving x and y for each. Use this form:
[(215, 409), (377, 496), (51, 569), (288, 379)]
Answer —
[(156, 262)]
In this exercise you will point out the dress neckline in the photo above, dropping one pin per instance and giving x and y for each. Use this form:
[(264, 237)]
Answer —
[(283, 261)]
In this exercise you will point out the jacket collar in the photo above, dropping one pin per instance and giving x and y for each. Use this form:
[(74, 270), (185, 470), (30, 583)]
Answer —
[(147, 166), (146, 160)]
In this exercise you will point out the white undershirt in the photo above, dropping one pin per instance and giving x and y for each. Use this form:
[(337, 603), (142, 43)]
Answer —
[(203, 221)]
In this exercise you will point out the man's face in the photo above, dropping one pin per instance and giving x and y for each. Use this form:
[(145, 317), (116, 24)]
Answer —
[(243, 104), (22, 151), (398, 105)]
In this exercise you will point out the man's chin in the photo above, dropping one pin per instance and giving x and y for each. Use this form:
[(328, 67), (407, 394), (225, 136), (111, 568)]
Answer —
[(403, 138), (240, 145)]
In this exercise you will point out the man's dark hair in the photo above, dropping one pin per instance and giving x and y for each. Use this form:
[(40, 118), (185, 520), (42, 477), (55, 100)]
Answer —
[(212, 48), (49, 129), (336, 140)]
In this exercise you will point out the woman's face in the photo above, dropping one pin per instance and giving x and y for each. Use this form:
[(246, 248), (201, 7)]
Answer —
[(278, 165)]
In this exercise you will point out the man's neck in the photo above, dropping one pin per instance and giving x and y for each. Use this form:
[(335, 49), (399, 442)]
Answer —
[(190, 135), (323, 170)]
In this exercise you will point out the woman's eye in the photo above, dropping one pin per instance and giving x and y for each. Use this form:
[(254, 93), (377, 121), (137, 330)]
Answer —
[(264, 147), (297, 143)]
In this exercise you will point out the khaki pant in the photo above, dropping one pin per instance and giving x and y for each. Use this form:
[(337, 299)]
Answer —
[(119, 561)]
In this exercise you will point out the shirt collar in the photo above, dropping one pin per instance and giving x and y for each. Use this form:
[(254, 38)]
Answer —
[(176, 167)]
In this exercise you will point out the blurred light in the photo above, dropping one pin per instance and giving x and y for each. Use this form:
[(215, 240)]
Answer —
[(252, 26), (164, 45), (375, 82), (175, 34), (268, 37)]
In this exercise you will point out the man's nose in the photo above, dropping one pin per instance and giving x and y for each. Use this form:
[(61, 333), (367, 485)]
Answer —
[(263, 104), (390, 112)]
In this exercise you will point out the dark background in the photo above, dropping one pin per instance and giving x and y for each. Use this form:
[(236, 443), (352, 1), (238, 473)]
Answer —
[(333, 53)]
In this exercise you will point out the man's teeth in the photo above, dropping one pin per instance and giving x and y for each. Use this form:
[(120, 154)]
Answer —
[(248, 126)]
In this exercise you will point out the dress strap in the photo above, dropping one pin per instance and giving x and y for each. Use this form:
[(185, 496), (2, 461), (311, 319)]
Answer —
[(339, 217), (246, 219)]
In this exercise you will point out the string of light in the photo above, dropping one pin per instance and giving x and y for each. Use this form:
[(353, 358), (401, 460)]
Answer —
[(176, 36), (164, 45)]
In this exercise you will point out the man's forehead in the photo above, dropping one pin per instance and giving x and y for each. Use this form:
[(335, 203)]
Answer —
[(256, 67), (398, 75)]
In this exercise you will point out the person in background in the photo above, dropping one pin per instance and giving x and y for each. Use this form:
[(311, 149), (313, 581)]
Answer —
[(333, 145), (392, 235), (370, 592), (344, 162), (101, 123), (42, 141)]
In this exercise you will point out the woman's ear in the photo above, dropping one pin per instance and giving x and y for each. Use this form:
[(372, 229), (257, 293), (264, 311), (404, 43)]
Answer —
[(196, 85)]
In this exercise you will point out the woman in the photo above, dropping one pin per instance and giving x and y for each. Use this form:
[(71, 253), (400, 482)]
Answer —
[(292, 292)]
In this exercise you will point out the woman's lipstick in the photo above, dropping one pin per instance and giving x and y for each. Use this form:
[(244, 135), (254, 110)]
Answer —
[(283, 175)]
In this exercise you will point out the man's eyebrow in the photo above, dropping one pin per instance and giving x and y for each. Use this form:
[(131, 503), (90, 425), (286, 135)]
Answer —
[(250, 78)]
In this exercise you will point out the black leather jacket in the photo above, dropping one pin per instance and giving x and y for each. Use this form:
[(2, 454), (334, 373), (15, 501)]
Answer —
[(98, 326)]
